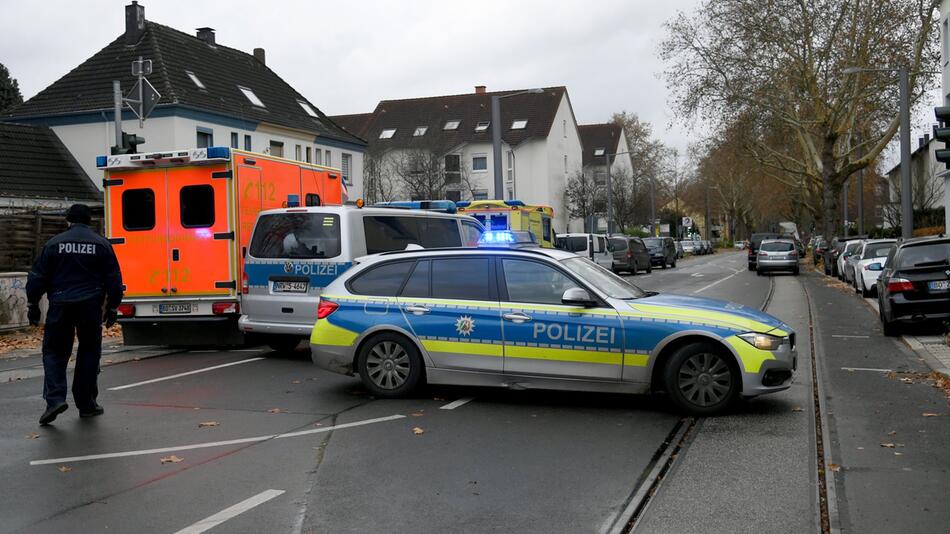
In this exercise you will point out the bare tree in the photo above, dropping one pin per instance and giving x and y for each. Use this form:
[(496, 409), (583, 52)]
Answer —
[(780, 62), (584, 198), (378, 185)]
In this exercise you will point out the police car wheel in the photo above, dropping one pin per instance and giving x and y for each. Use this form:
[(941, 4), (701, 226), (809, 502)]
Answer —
[(701, 380), (390, 366)]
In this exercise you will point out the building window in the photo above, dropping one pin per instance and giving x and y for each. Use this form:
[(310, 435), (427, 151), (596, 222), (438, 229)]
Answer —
[(519, 124), (346, 162), (481, 126), (480, 163), (453, 169), (564, 127), (318, 154), (298, 153), (234, 140), (420, 131), (306, 107), (200, 85), (451, 125), (480, 194), (565, 163), (309, 155), (252, 97), (599, 152), (247, 142), (387, 133), (453, 195), (600, 178), (277, 149), (945, 37), (205, 137), (327, 160), (511, 166)]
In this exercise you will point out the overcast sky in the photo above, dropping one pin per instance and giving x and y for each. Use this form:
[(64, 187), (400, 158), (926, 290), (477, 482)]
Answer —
[(347, 56)]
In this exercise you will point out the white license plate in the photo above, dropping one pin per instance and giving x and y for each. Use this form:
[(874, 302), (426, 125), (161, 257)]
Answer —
[(290, 287), (174, 308), (939, 285)]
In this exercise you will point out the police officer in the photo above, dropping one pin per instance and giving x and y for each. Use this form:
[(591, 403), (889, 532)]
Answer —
[(79, 273)]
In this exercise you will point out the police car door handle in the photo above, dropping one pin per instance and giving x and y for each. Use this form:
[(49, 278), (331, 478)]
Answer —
[(517, 317), (417, 310)]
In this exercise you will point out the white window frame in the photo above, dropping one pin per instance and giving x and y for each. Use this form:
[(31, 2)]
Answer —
[(519, 124), (318, 156), (420, 131), (511, 166), (251, 96), (452, 124), (309, 110), (298, 153), (481, 126), (474, 170), (327, 158), (387, 133), (194, 78), (346, 168)]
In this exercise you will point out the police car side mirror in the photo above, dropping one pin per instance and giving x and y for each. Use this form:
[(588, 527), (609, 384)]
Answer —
[(576, 296)]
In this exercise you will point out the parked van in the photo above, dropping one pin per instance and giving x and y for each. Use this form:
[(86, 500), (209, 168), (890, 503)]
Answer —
[(593, 246), (295, 252)]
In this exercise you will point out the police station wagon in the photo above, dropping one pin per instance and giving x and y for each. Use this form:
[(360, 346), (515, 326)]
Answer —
[(541, 318)]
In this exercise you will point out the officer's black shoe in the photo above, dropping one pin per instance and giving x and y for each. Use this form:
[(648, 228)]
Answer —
[(98, 410), (50, 414)]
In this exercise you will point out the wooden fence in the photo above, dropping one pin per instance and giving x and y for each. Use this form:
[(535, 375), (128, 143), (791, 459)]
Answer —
[(23, 233)]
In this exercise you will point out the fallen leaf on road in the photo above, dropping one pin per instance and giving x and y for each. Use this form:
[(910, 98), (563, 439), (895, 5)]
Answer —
[(32, 435), (417, 430), (887, 445), (438, 399), (930, 414), (797, 409), (108, 361), (898, 454), (295, 381), (274, 410), (417, 414), (834, 467), (170, 459), (892, 433), (208, 423), (64, 469), (860, 448)]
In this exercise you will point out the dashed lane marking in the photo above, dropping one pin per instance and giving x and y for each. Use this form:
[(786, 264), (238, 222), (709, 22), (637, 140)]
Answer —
[(232, 511), (866, 369), (455, 404), (844, 336), (209, 444), (179, 375)]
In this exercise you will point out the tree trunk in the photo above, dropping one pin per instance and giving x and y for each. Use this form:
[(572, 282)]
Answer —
[(830, 189)]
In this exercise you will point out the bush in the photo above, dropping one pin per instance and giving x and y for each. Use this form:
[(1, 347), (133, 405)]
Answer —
[(929, 230), (636, 232)]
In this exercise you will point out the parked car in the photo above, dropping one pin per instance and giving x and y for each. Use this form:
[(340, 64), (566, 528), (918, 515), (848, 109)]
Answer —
[(710, 248), (873, 251), (680, 253), (689, 247), (630, 254), (849, 249), (754, 243), (592, 246), (915, 283), (739, 245), (818, 249), (662, 251), (834, 250), (848, 262), (777, 255)]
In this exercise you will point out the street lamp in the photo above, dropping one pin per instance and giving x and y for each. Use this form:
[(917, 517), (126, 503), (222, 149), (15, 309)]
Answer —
[(496, 136), (610, 204)]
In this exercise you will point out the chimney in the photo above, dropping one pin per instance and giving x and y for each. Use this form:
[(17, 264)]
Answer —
[(206, 34), (259, 55), (134, 22), (479, 89)]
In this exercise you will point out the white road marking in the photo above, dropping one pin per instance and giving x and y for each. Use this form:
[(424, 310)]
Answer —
[(721, 280), (697, 275), (866, 369), (245, 350), (214, 443), (455, 404), (179, 375), (232, 511), (849, 337)]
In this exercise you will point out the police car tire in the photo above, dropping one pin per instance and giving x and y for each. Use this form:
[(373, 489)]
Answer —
[(676, 362), (416, 365)]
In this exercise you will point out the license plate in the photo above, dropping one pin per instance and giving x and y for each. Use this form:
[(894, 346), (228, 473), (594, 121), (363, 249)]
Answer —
[(939, 285), (290, 287), (174, 308)]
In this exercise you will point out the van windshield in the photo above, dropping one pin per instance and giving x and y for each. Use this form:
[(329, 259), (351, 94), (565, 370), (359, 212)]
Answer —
[(297, 235)]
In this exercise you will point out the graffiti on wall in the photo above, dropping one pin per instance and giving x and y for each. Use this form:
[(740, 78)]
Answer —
[(13, 301)]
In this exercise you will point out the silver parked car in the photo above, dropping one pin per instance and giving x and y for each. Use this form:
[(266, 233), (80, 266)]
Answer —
[(777, 255)]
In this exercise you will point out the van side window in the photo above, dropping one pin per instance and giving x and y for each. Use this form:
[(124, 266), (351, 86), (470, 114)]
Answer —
[(601, 244), (461, 278), (383, 281), (418, 283), (296, 235), (394, 233), (439, 232), (546, 228), (471, 233), (138, 209), (197, 206)]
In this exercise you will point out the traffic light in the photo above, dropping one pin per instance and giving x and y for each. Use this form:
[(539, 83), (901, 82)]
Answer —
[(129, 144), (942, 133)]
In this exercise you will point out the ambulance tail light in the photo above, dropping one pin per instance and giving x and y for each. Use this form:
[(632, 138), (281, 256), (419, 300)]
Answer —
[(225, 308), (245, 285), (126, 310), (325, 308)]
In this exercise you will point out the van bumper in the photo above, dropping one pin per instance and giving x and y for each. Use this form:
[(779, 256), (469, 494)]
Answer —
[(185, 331), (249, 326)]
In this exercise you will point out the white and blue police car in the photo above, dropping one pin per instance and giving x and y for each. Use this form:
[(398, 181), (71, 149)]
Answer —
[(510, 315)]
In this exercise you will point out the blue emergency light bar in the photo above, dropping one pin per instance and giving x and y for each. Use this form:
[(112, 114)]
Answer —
[(446, 206), (507, 238)]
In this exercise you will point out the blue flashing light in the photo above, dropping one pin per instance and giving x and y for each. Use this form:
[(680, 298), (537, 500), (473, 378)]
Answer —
[(219, 152), (514, 203), (446, 206), (293, 201), (102, 161), (502, 237), (463, 204)]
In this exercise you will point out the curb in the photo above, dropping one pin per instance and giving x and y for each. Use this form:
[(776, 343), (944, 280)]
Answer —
[(922, 351), (120, 356)]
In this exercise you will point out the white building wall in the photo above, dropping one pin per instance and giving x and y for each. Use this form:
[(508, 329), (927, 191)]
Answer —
[(564, 155)]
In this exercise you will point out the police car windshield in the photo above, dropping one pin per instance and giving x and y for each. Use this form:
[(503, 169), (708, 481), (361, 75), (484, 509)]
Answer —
[(605, 281)]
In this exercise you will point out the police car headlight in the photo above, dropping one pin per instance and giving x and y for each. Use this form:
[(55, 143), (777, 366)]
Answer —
[(762, 341)]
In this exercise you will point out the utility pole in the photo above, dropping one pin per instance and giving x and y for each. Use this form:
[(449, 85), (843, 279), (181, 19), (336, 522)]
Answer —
[(610, 191), (907, 206), (496, 145), (117, 110), (844, 204)]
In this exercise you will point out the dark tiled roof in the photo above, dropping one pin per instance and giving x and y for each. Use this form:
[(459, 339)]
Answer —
[(35, 164), (406, 115), (595, 136), (355, 124), (88, 87)]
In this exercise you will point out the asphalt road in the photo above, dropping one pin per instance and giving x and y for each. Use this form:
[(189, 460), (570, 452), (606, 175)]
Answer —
[(250, 441)]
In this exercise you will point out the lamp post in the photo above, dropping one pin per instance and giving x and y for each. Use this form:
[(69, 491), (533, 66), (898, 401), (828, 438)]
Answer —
[(610, 190), (496, 137)]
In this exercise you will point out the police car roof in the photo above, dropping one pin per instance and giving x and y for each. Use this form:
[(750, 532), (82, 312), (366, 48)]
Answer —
[(552, 253)]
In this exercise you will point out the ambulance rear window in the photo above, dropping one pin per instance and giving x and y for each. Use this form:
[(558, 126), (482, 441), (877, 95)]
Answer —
[(296, 235), (197, 206), (138, 209)]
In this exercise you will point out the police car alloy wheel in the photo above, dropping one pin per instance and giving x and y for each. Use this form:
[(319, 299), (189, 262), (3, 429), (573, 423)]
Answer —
[(701, 380), (390, 365)]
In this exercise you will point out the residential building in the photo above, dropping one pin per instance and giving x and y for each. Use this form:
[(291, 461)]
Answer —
[(210, 95), (945, 92), (600, 142), (442, 146), (927, 180)]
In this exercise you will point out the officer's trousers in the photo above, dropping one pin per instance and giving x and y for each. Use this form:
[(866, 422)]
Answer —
[(84, 319)]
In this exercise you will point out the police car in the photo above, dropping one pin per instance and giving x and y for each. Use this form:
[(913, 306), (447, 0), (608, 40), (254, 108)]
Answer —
[(509, 315)]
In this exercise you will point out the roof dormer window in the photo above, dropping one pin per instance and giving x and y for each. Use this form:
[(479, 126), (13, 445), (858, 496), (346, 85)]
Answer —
[(306, 107), (452, 125), (420, 131), (599, 151), (387, 133), (195, 79), (252, 97), (519, 124), (481, 126)]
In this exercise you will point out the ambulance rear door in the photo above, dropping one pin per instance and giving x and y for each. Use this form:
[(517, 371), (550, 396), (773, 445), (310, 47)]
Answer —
[(136, 227)]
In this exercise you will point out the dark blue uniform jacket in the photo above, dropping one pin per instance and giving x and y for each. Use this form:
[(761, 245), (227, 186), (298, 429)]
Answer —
[(74, 266)]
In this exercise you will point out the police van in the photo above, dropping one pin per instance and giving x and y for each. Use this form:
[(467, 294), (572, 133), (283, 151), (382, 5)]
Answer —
[(295, 252)]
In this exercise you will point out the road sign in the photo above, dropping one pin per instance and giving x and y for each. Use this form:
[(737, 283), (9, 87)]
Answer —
[(150, 98), (687, 221)]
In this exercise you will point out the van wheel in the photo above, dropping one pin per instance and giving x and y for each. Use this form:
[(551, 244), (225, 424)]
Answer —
[(701, 379), (283, 344), (390, 366)]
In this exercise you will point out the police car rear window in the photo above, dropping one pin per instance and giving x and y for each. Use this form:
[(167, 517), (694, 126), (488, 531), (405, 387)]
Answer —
[(138, 209), (297, 235)]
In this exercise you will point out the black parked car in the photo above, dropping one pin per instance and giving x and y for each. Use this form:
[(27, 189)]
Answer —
[(835, 248), (754, 243), (915, 283), (630, 254), (662, 251)]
